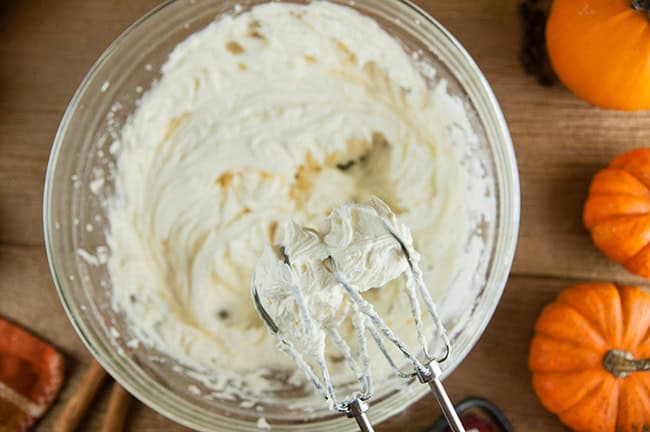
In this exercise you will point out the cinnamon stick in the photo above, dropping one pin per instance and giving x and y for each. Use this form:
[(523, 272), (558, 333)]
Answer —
[(80, 399), (118, 407)]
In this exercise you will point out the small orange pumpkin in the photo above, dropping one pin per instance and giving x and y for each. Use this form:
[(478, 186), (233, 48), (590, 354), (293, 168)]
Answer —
[(587, 358), (600, 51), (617, 211)]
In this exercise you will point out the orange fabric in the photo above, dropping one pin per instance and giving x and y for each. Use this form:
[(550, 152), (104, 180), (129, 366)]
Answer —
[(31, 374)]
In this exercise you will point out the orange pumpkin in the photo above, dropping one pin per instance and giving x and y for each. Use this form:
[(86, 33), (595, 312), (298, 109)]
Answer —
[(587, 358), (600, 50), (617, 211)]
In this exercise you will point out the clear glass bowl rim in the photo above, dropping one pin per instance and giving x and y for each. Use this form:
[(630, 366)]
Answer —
[(508, 210)]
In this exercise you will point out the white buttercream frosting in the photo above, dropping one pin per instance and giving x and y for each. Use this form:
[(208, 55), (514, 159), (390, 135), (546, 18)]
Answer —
[(363, 248), (280, 113), (292, 276), (300, 285), (297, 270)]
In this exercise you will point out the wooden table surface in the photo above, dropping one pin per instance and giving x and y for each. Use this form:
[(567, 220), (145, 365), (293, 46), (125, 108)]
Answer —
[(46, 47)]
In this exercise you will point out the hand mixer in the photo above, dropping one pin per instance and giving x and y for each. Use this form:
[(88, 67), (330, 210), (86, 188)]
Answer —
[(366, 319)]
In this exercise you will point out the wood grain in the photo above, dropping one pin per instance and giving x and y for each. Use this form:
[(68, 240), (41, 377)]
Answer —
[(47, 47)]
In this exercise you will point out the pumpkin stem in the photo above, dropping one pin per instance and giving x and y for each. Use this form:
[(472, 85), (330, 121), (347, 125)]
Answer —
[(642, 5), (622, 363)]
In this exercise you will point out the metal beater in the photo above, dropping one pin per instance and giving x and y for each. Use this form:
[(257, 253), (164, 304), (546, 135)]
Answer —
[(427, 371)]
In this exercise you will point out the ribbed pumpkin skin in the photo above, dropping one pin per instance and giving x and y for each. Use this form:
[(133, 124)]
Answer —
[(599, 49), (572, 336), (617, 211)]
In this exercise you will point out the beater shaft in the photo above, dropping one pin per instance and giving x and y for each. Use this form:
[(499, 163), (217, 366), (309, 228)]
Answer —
[(433, 379), (357, 410)]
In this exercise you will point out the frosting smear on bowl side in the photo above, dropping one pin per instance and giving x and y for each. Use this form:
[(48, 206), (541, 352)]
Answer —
[(280, 113)]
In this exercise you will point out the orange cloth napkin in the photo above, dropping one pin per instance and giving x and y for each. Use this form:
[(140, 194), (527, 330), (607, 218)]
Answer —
[(31, 374)]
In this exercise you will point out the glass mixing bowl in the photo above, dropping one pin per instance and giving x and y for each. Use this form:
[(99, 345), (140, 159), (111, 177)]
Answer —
[(75, 216)]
